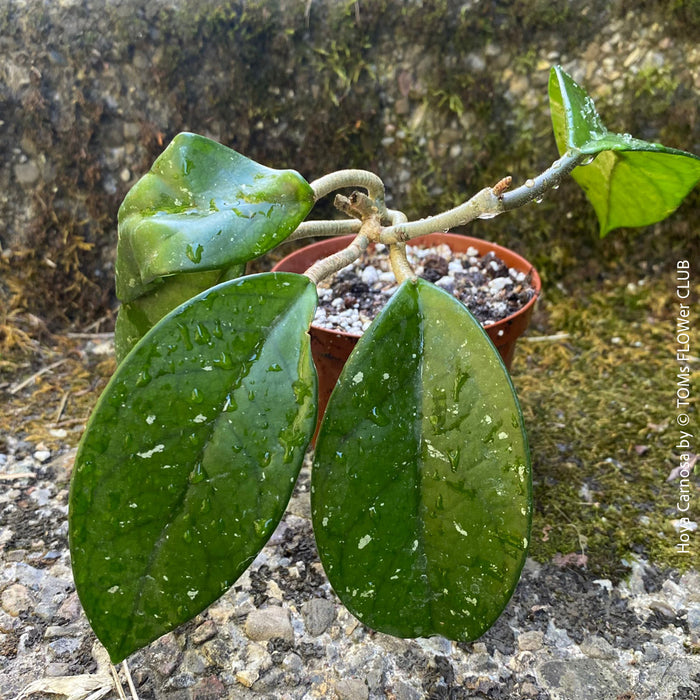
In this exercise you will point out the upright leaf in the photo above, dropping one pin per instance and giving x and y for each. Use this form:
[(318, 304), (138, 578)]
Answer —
[(421, 495), (190, 457), (629, 182), (202, 206)]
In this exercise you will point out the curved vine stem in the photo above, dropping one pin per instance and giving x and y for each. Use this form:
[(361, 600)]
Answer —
[(370, 211), (357, 205), (327, 266), (335, 181), (340, 227), (399, 263), (489, 202), (349, 178)]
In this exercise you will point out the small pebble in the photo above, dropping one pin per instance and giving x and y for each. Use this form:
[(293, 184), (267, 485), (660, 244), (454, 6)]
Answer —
[(499, 283), (204, 632), (369, 275), (319, 614), (16, 600), (447, 283), (597, 648), (351, 689), (247, 678), (531, 640), (269, 623)]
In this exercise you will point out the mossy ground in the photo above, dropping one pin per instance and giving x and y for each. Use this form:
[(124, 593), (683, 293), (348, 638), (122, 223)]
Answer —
[(49, 399), (600, 411)]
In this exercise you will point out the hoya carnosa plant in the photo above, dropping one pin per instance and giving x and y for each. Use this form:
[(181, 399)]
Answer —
[(421, 488)]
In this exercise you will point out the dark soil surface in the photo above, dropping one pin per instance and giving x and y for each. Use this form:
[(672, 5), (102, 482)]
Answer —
[(351, 299)]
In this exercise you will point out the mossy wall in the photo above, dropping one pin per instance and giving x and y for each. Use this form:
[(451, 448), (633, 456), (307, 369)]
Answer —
[(439, 98)]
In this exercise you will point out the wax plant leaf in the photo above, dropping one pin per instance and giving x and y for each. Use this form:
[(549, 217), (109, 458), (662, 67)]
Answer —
[(421, 487), (190, 456), (202, 206), (135, 318), (629, 182)]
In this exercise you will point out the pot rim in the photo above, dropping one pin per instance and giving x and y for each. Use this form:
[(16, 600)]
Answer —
[(523, 266)]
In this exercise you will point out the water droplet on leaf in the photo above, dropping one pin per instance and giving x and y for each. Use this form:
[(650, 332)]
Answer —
[(224, 361), (377, 417), (453, 457), (201, 334), (194, 254), (198, 474), (185, 334), (302, 390), (261, 526), (144, 378)]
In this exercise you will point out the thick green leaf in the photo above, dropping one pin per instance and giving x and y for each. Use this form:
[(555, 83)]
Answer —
[(575, 119), (629, 182), (421, 488), (636, 188), (202, 206), (137, 317), (190, 456)]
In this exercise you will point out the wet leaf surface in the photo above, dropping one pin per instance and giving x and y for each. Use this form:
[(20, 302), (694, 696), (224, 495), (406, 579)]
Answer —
[(629, 182), (190, 457), (421, 493), (202, 206)]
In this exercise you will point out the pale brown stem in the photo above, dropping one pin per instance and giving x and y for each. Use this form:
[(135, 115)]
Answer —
[(341, 227), (330, 265), (399, 263)]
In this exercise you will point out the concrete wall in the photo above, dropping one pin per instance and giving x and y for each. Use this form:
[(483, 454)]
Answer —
[(439, 98)]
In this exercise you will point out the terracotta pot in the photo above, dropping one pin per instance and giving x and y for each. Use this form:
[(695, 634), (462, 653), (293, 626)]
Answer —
[(330, 349)]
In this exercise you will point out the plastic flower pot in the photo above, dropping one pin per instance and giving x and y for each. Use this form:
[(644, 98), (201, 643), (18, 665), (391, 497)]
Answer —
[(331, 348)]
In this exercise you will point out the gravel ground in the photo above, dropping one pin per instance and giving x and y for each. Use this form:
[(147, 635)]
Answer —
[(351, 299), (281, 633)]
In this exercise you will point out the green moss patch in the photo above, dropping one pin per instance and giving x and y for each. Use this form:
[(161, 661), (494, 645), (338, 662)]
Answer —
[(599, 406)]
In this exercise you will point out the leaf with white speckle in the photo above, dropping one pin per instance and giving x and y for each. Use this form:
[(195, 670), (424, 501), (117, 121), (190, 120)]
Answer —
[(166, 514), (421, 495)]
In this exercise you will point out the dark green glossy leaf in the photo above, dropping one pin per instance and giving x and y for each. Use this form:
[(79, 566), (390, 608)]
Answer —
[(630, 182), (190, 456), (202, 206), (421, 495), (137, 317)]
